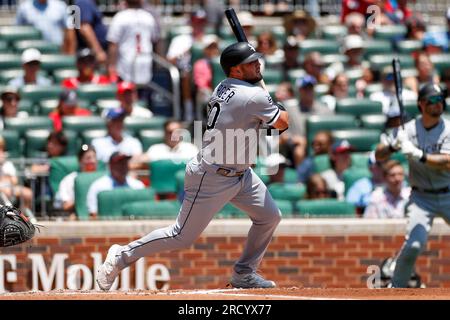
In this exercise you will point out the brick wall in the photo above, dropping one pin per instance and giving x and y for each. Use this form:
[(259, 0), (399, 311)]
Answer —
[(291, 260)]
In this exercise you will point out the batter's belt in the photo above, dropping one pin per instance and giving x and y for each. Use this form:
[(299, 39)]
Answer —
[(441, 190)]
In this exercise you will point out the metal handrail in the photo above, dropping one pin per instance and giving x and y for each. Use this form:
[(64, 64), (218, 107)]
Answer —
[(175, 78)]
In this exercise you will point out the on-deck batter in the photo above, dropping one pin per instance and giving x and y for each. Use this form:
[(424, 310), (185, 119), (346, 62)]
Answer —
[(220, 174), (426, 142)]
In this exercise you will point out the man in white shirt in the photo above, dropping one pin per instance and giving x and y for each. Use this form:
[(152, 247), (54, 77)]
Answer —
[(116, 140), (172, 148), (31, 64), (132, 35), (118, 178)]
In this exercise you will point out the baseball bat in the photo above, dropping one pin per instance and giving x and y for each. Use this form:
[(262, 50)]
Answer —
[(239, 33), (399, 89)]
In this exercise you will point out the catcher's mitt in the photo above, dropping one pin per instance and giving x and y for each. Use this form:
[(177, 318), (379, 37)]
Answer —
[(15, 227)]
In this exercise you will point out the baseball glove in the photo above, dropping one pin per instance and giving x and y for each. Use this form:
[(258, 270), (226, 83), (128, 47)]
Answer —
[(15, 227)]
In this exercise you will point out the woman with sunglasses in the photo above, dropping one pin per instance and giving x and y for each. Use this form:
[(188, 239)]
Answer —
[(426, 143)]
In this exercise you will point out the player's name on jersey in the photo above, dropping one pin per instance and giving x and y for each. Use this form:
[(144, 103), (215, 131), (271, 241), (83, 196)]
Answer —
[(56, 274)]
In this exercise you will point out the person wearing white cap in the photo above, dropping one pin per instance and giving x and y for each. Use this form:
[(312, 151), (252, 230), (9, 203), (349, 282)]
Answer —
[(31, 64)]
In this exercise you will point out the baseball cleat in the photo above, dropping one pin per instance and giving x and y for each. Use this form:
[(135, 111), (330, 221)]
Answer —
[(250, 280), (108, 271)]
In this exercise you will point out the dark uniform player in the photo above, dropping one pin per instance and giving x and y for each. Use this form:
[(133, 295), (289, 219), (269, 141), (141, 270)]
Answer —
[(220, 174)]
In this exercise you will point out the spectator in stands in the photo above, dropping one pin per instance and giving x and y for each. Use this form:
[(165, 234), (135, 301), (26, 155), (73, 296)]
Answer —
[(86, 71), (339, 89), (118, 178), (202, 72), (314, 66), (300, 25), (51, 18), (387, 95), (415, 27), (359, 193), (9, 183), (426, 72), (10, 105), (308, 105), (116, 139), (389, 201), (65, 197), (31, 64), (267, 45), (248, 24), (132, 35), (356, 24), (284, 91), (351, 6), (317, 188), (128, 96), (172, 148), (291, 54), (67, 106), (276, 164), (179, 53), (321, 144), (92, 32), (340, 159)]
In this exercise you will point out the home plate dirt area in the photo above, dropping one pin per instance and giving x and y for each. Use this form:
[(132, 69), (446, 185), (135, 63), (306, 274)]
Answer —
[(239, 294)]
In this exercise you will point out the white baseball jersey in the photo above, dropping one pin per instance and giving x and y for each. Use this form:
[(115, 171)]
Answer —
[(236, 111), (432, 141)]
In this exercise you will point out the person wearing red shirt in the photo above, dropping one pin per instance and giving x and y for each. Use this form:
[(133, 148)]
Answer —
[(86, 71), (67, 106)]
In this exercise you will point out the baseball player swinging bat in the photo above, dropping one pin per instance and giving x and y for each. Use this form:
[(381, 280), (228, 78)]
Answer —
[(239, 32), (399, 89)]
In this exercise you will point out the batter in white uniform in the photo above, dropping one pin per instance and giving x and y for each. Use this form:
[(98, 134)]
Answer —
[(220, 174)]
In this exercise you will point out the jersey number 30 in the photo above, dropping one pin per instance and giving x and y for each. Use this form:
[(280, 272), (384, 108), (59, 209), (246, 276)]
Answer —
[(213, 115)]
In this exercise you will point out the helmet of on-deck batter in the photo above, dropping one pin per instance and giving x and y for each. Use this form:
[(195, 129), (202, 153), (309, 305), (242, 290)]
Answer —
[(236, 54), (430, 90)]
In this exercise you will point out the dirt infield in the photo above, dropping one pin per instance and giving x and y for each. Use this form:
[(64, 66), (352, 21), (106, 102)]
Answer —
[(239, 294)]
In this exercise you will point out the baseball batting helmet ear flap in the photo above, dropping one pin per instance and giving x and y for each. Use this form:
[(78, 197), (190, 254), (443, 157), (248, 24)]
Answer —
[(236, 54)]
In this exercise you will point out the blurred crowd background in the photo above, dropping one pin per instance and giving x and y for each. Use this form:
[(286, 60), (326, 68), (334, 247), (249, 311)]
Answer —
[(89, 102)]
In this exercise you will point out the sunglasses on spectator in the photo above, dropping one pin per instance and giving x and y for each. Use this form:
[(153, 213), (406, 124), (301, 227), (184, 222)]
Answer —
[(435, 99)]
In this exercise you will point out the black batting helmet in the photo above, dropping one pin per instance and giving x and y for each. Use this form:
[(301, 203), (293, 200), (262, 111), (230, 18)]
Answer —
[(432, 90), (238, 53)]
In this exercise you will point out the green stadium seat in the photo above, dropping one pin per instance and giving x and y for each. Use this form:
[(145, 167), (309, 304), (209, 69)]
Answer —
[(59, 168), (10, 61), (27, 106), (358, 107), (316, 123), (372, 47), (17, 32), (48, 105), (35, 143), (360, 139), (321, 163), (273, 76), (286, 207), (373, 87), (61, 74), (374, 121), (290, 175), (354, 74), (274, 61), (7, 75), (334, 58), (321, 45), (179, 176), (81, 124), (390, 32), (110, 202), (106, 104), (52, 62), (334, 32), (411, 108), (21, 125), (152, 209), (360, 160), (12, 143), (4, 48), (441, 61), (352, 175), (325, 207), (82, 183), (93, 92), (36, 93), (287, 191), (379, 61), (150, 137), (409, 46), (45, 47), (135, 124), (89, 135), (230, 211), (321, 89), (162, 175)]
